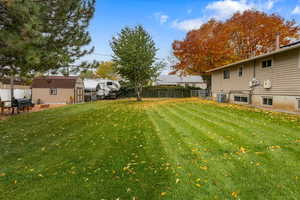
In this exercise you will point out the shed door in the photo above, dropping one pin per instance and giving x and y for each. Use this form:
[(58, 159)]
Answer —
[(79, 95)]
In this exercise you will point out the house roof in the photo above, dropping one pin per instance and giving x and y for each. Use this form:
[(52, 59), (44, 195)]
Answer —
[(173, 79), (55, 82), (281, 50), (6, 81)]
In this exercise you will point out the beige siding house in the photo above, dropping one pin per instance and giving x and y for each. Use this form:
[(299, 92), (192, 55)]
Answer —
[(271, 80), (57, 90)]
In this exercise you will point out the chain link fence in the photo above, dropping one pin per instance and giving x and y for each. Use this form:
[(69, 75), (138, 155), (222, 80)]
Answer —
[(200, 93)]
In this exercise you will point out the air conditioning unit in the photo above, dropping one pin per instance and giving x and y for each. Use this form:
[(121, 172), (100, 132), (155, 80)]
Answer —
[(250, 84), (254, 82), (221, 98), (267, 84)]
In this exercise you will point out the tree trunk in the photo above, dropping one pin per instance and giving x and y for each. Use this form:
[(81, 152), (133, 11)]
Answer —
[(207, 80), (138, 93), (12, 78)]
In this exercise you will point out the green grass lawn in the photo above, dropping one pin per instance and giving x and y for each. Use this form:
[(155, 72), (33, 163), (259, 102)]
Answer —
[(158, 149)]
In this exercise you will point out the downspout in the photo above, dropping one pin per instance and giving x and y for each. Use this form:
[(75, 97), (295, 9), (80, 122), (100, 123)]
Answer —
[(254, 76)]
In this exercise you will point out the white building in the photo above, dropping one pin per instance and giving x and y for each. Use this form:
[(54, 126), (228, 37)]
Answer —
[(185, 81)]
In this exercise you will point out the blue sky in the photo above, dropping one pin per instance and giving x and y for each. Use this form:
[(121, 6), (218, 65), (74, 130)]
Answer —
[(169, 20)]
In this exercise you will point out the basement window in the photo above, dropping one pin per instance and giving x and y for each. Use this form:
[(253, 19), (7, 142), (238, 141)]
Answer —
[(53, 91), (266, 63), (241, 99), (226, 74), (267, 101)]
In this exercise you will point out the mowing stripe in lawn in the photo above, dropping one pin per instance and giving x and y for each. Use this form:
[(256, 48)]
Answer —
[(252, 172)]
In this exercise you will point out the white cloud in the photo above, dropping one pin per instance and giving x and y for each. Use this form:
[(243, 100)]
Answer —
[(187, 25), (223, 9), (162, 18), (296, 10), (226, 8), (270, 4), (264, 5)]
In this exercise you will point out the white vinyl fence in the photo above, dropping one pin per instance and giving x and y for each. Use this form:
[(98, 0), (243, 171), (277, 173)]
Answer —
[(18, 94)]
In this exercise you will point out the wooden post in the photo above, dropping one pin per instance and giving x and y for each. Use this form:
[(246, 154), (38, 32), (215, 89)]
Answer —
[(12, 88)]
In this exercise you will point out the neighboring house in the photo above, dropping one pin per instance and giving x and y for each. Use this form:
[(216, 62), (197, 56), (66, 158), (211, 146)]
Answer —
[(57, 90), (173, 80), (18, 84), (269, 80)]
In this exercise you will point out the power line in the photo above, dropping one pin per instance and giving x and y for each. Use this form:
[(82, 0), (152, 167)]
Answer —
[(107, 55)]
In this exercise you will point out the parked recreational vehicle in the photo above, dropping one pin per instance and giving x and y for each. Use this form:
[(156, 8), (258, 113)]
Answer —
[(96, 89)]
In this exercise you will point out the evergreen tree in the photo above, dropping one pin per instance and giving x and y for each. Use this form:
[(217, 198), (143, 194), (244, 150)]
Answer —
[(40, 35), (19, 37)]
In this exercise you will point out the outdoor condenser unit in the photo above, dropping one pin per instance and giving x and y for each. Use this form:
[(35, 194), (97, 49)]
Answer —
[(221, 98), (267, 84)]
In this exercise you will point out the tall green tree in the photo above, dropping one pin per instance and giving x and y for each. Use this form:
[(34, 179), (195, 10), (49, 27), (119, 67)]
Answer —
[(19, 37), (87, 74), (107, 70), (134, 54), (38, 36), (66, 24)]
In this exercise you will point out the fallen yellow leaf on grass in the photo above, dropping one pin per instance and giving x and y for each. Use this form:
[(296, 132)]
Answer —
[(2, 174), (258, 153), (234, 194), (242, 150), (298, 141), (275, 147), (204, 167), (177, 180), (198, 185), (163, 193)]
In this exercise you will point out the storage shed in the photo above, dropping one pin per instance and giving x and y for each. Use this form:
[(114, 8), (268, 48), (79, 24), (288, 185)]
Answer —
[(57, 90)]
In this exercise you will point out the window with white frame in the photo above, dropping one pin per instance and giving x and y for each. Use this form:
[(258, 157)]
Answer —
[(267, 63), (241, 99), (226, 74), (267, 101), (53, 91)]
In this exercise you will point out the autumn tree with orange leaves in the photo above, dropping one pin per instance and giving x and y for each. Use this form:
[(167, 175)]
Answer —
[(244, 35)]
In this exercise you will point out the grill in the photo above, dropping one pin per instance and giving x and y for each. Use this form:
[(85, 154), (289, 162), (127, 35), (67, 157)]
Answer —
[(21, 104)]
